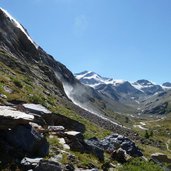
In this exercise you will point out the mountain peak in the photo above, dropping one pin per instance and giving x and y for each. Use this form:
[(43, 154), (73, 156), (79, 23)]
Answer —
[(18, 25), (166, 85), (144, 82), (141, 86), (93, 79)]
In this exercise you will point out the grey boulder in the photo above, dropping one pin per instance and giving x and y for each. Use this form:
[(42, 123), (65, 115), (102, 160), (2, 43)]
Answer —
[(25, 138), (45, 165)]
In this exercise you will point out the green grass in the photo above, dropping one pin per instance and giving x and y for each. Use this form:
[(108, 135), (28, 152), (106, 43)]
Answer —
[(169, 145), (140, 165), (161, 132), (91, 128), (25, 89), (17, 83), (84, 160), (54, 142)]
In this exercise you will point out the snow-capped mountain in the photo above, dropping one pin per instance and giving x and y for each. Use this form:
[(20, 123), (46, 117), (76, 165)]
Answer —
[(147, 87), (120, 89), (166, 85), (93, 79)]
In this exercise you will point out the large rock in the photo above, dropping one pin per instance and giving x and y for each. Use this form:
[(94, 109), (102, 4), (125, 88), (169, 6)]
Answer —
[(25, 138), (29, 163), (10, 117), (75, 140), (120, 155), (55, 128), (36, 108), (70, 124), (161, 159), (46, 165), (96, 151), (114, 142)]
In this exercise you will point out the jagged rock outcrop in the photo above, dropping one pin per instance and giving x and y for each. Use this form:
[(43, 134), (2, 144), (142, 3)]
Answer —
[(10, 118), (18, 138), (29, 163), (120, 155), (45, 165), (26, 139), (114, 142)]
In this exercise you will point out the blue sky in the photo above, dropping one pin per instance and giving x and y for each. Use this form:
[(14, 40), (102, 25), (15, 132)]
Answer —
[(122, 39)]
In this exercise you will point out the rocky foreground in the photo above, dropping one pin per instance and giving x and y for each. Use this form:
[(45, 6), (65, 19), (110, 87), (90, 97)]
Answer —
[(28, 130), (24, 130)]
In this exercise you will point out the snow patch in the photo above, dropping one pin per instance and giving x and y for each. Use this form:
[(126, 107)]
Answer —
[(141, 127), (165, 88), (79, 76)]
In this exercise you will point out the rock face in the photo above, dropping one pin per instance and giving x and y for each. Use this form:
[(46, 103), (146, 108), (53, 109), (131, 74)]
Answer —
[(75, 140), (77, 143), (29, 163), (148, 87), (119, 155), (10, 117), (25, 138), (159, 109), (36, 108), (114, 142), (167, 84), (18, 138), (160, 158), (58, 119), (45, 165)]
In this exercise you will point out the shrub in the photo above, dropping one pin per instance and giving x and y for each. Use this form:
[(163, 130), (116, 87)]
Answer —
[(17, 83), (146, 134)]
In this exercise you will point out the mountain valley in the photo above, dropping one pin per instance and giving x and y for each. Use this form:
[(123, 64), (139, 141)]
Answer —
[(51, 118), (146, 97)]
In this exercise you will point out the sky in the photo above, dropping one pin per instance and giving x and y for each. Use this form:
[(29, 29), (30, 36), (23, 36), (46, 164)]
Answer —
[(120, 39)]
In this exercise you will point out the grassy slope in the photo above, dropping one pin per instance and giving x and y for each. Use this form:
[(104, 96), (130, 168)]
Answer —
[(24, 88)]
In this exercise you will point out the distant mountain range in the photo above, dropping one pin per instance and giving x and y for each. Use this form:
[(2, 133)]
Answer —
[(133, 94)]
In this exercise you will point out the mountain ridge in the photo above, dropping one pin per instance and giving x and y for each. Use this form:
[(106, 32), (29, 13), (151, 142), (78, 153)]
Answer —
[(112, 80), (133, 94)]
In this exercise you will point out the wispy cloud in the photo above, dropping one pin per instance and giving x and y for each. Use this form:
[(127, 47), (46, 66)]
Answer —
[(80, 24)]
